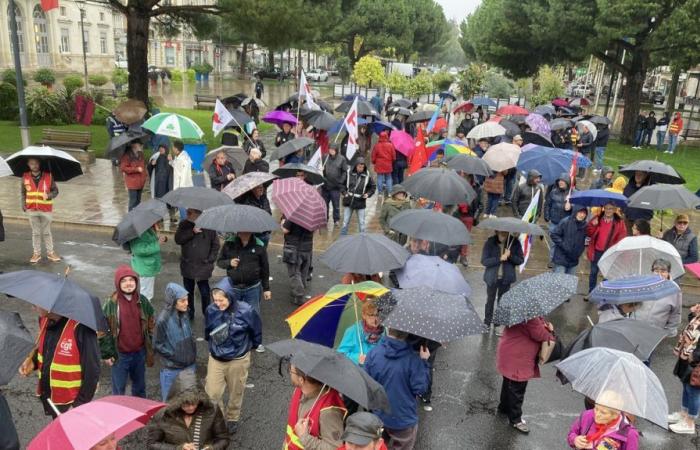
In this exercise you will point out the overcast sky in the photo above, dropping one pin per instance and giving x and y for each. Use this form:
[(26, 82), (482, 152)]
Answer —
[(458, 9)]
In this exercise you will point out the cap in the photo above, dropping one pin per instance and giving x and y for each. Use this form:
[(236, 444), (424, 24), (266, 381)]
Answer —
[(362, 428), (682, 218), (360, 160)]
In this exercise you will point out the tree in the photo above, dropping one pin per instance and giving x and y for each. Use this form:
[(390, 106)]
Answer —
[(368, 71), (396, 83), (442, 80), (547, 86), (342, 65), (471, 80), (497, 85), (421, 84)]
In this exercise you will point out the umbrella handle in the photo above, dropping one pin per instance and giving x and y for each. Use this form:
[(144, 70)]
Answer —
[(590, 321), (53, 406), (357, 323)]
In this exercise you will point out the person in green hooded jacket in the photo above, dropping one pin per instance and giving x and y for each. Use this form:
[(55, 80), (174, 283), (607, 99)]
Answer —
[(392, 206), (146, 260)]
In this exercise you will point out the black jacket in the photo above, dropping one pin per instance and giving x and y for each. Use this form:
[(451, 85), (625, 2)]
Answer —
[(633, 214), (491, 260), (569, 241), (259, 165), (217, 175), (253, 266), (249, 199), (556, 201), (247, 145), (283, 137), (8, 434), (298, 237), (163, 177), (198, 251), (357, 185), (601, 140), (334, 171)]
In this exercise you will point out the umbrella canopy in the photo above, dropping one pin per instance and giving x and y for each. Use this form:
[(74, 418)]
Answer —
[(658, 172), (545, 109), (560, 102), (579, 101), (16, 343), (420, 116), (340, 125), (257, 101), (403, 142), (431, 226), (5, 169), (483, 101), (62, 166), (433, 272), (538, 124), (320, 120), (588, 124), (196, 197), (502, 156), (402, 102), (291, 146), (664, 196), (139, 219), (83, 427), (465, 107), (234, 218), (550, 162), (404, 111), (235, 155), (56, 294), (324, 319), (300, 203), (509, 110), (512, 128), (486, 130), (279, 117), (240, 117), (598, 197), (567, 112), (246, 183), (364, 253), (511, 225), (428, 107), (617, 380), (561, 123), (433, 314), (364, 108), (535, 297), (469, 164), (452, 147), (601, 120), (447, 94), (637, 288), (440, 185), (174, 125), (313, 175), (130, 111), (532, 137), (118, 144), (634, 255)]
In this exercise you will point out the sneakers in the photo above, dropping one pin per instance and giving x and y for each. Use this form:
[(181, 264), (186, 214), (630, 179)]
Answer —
[(522, 427), (36, 257), (53, 257), (260, 349), (675, 417), (464, 261), (683, 427), (427, 407), (232, 426)]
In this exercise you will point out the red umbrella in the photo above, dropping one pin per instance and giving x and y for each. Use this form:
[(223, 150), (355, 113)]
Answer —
[(300, 203), (83, 427), (560, 102), (464, 108), (579, 101), (510, 110), (440, 124), (403, 142)]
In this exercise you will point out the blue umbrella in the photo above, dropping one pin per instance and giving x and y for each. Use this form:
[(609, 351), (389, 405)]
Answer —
[(483, 101), (598, 197), (335, 129), (550, 162), (581, 160), (433, 272), (638, 288), (380, 125)]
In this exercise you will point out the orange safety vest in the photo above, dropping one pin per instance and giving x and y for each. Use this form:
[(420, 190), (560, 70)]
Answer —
[(330, 399), (34, 200), (65, 376), (675, 127)]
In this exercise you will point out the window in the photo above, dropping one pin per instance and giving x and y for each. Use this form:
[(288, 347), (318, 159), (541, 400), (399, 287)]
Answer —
[(103, 43), (63, 11), (65, 40), (169, 56), (102, 17), (86, 41), (20, 27), (41, 35)]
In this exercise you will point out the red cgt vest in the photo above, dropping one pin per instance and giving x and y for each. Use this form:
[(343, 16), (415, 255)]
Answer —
[(330, 399), (34, 200), (65, 376)]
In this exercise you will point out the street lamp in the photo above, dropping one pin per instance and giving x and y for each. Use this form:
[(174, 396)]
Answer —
[(81, 6), (23, 124)]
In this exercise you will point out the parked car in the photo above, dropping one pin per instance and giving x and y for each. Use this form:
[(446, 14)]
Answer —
[(275, 73), (657, 98), (317, 75)]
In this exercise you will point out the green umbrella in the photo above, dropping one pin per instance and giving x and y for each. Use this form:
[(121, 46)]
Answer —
[(174, 125)]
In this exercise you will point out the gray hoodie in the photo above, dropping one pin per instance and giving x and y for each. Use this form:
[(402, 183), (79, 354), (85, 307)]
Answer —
[(172, 339)]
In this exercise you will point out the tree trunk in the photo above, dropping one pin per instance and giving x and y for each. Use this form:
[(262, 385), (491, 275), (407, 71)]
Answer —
[(289, 59), (633, 95), (308, 60), (244, 59), (137, 25), (270, 58), (351, 51), (673, 90)]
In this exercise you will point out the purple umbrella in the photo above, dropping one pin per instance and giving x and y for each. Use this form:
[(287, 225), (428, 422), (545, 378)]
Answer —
[(538, 124), (279, 117)]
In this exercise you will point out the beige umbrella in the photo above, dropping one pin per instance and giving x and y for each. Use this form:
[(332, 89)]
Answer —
[(502, 156), (130, 111)]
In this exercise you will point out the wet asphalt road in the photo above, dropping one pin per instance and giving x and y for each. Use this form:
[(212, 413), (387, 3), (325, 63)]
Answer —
[(466, 384)]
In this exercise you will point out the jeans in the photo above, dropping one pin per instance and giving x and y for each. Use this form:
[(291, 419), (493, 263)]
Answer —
[(512, 397), (492, 203), (493, 294), (347, 214), (593, 277), (599, 156), (133, 366), (638, 136), (134, 198), (40, 222), (384, 179), (672, 142), (647, 137), (552, 228), (167, 378), (509, 182), (250, 295), (691, 400), (397, 174), (660, 137), (564, 269), (333, 197), (204, 293), (298, 273)]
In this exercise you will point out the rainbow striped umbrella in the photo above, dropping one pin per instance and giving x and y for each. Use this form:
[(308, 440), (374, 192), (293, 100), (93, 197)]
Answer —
[(174, 125), (324, 318), (450, 146)]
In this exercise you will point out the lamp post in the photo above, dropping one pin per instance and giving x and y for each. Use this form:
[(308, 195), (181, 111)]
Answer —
[(81, 6), (23, 124)]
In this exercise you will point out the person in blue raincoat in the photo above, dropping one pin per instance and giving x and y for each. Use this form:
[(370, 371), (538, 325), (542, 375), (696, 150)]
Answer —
[(362, 336)]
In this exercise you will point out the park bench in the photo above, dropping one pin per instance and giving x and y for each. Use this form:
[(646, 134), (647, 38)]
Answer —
[(67, 140), (106, 92), (691, 133), (204, 99)]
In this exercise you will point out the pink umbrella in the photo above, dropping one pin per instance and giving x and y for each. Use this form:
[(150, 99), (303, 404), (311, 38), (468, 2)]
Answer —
[(403, 142), (83, 427), (693, 268), (511, 110), (300, 203), (560, 102)]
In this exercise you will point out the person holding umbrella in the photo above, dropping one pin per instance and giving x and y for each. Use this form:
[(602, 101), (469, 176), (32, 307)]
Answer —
[(688, 352), (361, 337), (296, 254), (569, 239), (664, 313), (221, 171), (502, 252), (683, 239), (604, 426), (284, 135), (494, 186), (604, 230), (38, 191), (133, 167), (639, 180), (557, 206), (161, 172), (359, 186), (335, 168)]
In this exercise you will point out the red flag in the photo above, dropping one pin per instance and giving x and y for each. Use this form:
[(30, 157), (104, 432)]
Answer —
[(48, 5), (419, 157)]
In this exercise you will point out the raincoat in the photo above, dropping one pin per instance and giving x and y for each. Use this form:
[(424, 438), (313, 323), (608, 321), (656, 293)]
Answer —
[(554, 211), (130, 165), (390, 208), (516, 355), (569, 241), (525, 192), (172, 339), (145, 254), (383, 154), (182, 170), (351, 347), (602, 182), (624, 437), (243, 333)]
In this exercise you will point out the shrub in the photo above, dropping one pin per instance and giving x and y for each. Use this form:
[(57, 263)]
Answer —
[(368, 71), (120, 77), (45, 107), (342, 65), (176, 76), (8, 101), (45, 77), (190, 74), (442, 80), (71, 83), (421, 84), (9, 76), (206, 67), (396, 83), (97, 80)]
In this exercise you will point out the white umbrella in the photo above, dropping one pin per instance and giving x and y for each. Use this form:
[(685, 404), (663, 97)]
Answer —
[(634, 255), (486, 130), (592, 128), (5, 170), (502, 156), (618, 380)]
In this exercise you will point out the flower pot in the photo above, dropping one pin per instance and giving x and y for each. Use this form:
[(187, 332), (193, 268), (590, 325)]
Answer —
[(198, 76)]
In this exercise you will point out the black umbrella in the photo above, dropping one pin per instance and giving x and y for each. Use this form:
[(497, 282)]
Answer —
[(235, 218), (235, 155), (658, 171), (664, 196), (334, 370), (16, 342), (117, 145), (431, 226), (56, 294), (402, 102), (561, 123), (62, 166), (290, 147), (545, 110), (240, 117), (234, 100), (440, 185), (399, 110), (434, 314), (601, 120), (531, 137), (447, 94), (420, 116), (196, 197), (320, 120), (469, 164), (364, 108), (139, 219), (534, 297), (511, 127), (511, 225), (364, 253), (313, 175)]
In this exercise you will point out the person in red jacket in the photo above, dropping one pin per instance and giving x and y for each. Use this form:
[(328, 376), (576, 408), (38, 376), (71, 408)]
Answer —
[(383, 156), (604, 230), (133, 166)]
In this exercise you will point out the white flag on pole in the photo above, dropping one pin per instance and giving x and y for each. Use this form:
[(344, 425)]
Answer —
[(350, 123), (305, 90), (530, 217), (221, 118), (316, 161)]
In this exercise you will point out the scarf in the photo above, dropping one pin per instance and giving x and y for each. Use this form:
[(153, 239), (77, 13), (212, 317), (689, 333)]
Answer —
[(372, 334), (688, 340), (597, 430)]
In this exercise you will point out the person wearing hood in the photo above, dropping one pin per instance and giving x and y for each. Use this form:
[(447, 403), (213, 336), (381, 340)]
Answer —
[(221, 171), (683, 239), (601, 142), (604, 230), (335, 168), (392, 206), (640, 180), (606, 178), (557, 206), (525, 192), (189, 421), (604, 426), (126, 346), (359, 186), (569, 241), (383, 157), (161, 172), (674, 130), (232, 329), (405, 375), (502, 252), (376, 102), (146, 258), (172, 339), (255, 162)]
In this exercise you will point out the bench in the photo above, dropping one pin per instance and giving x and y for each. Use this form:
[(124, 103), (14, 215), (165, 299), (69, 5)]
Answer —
[(106, 92), (691, 134), (204, 99), (66, 140)]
